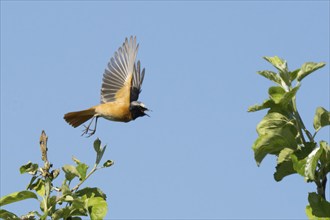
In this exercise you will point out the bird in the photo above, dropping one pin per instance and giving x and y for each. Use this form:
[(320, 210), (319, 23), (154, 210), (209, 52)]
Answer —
[(121, 86)]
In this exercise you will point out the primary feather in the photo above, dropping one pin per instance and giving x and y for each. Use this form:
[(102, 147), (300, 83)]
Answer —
[(120, 72)]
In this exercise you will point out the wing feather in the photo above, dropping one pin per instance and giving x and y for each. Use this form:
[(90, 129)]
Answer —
[(118, 76), (137, 81)]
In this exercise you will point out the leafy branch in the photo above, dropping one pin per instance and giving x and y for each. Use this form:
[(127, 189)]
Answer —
[(68, 202), (282, 133)]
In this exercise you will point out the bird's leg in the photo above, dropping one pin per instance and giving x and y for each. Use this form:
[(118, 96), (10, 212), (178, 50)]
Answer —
[(94, 130), (87, 129)]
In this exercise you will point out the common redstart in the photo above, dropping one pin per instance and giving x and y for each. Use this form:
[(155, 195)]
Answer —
[(121, 86)]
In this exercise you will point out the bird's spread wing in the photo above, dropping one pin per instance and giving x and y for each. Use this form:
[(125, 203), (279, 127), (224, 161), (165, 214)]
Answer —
[(119, 76), (137, 81)]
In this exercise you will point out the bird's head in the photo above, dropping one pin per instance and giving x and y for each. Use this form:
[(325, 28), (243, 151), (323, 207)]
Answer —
[(138, 109)]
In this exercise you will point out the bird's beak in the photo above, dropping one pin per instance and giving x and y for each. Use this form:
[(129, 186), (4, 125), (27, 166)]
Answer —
[(147, 110)]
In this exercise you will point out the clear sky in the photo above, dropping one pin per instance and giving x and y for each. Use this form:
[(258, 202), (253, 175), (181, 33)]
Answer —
[(192, 158)]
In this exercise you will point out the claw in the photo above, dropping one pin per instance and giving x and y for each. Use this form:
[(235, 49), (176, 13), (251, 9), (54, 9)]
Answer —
[(88, 131)]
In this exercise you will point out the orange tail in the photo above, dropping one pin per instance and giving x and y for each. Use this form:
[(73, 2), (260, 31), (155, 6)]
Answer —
[(77, 118)]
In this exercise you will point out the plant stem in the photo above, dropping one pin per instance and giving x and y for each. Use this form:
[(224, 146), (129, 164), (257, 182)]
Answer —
[(45, 170), (298, 121), (82, 181), (300, 124), (309, 135), (324, 184), (322, 181)]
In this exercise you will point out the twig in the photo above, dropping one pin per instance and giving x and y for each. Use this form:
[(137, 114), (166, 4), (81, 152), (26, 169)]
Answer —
[(43, 146), (45, 170), (82, 181)]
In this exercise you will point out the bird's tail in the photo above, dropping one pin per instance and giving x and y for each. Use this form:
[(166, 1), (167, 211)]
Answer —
[(77, 118)]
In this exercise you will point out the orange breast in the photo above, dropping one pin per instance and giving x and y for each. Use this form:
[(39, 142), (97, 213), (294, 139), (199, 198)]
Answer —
[(114, 111)]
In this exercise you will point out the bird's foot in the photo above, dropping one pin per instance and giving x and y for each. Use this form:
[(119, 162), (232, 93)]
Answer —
[(87, 131)]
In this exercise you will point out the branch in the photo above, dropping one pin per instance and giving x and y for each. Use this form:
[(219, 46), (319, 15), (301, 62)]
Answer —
[(301, 125), (43, 146), (45, 170), (82, 181)]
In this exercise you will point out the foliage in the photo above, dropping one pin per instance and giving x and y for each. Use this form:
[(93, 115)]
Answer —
[(282, 133), (70, 202)]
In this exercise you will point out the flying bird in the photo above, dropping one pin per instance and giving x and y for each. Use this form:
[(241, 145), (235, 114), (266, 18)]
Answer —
[(121, 86)]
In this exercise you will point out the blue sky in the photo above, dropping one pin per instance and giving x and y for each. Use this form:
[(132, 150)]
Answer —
[(192, 158)]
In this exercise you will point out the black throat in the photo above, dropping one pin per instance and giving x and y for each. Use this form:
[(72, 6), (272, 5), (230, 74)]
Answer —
[(136, 111)]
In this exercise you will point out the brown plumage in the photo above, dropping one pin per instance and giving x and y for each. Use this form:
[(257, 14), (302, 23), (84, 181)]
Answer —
[(77, 118), (121, 86)]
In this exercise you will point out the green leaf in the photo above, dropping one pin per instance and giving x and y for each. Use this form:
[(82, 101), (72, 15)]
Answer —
[(282, 66), (65, 189), (276, 93), (97, 208), (31, 215), (79, 203), (269, 144), (277, 62), (280, 96), (100, 155), (299, 157), (305, 150), (97, 145), (16, 197), (70, 211), (321, 118), (82, 170), (274, 122), (288, 96), (311, 163), (31, 182), (266, 104), (325, 157), (311, 216), (38, 186), (308, 68), (294, 74), (75, 160), (55, 173), (30, 168), (62, 213), (52, 203), (271, 76), (270, 122), (108, 163), (68, 198), (99, 150), (283, 169), (4, 214), (319, 206), (90, 193), (77, 208), (276, 132), (284, 164), (70, 172), (325, 146), (285, 155), (298, 165)]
